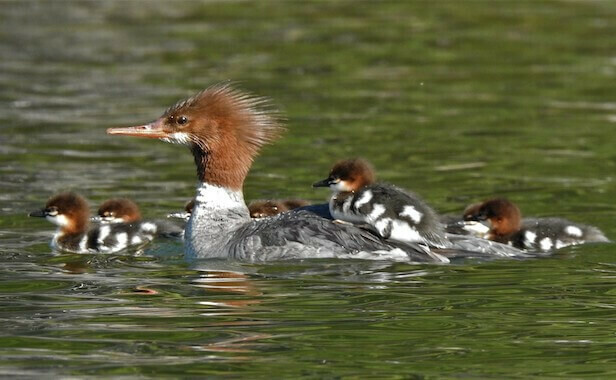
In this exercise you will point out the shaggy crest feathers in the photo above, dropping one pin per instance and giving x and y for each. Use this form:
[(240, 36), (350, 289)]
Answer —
[(256, 120), (225, 128)]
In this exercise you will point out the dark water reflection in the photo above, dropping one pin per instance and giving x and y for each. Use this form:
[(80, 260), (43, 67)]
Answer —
[(455, 101)]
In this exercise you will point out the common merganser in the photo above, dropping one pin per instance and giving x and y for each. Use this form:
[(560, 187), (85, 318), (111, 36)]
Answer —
[(224, 129), (392, 212), (124, 210), (271, 207), (533, 234), (70, 212)]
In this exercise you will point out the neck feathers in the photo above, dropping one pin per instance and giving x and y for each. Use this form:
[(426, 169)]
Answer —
[(234, 128), (225, 167), (214, 197)]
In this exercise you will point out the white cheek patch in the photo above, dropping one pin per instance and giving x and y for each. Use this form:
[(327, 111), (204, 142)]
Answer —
[(365, 198), (402, 231), (412, 213), (377, 211), (340, 186), (136, 240), (573, 231), (546, 244), (58, 220)]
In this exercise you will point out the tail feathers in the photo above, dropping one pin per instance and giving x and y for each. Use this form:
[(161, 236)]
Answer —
[(594, 235)]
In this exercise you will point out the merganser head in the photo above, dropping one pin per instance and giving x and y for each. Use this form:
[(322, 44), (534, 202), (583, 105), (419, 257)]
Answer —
[(121, 210), (504, 216), (224, 128), (68, 210), (348, 175), (265, 208)]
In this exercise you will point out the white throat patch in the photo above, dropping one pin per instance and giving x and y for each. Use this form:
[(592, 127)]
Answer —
[(181, 138), (340, 186), (59, 220), (216, 197)]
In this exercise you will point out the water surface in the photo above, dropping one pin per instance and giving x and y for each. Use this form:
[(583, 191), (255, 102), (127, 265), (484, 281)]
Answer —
[(456, 101)]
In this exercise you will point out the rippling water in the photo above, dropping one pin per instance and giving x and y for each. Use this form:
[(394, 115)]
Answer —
[(456, 101)]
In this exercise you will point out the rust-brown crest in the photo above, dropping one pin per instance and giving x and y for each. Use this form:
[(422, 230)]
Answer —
[(225, 128)]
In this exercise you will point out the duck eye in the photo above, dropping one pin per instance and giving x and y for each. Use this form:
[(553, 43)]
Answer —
[(182, 120)]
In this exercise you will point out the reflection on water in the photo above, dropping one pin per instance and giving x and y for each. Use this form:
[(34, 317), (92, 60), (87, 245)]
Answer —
[(226, 282), (458, 102)]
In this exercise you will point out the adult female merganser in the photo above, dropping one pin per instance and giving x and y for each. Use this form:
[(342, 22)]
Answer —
[(389, 210), (70, 212), (224, 129), (271, 207), (533, 234), (124, 210)]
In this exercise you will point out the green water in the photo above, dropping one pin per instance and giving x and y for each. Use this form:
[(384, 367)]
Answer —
[(456, 100)]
